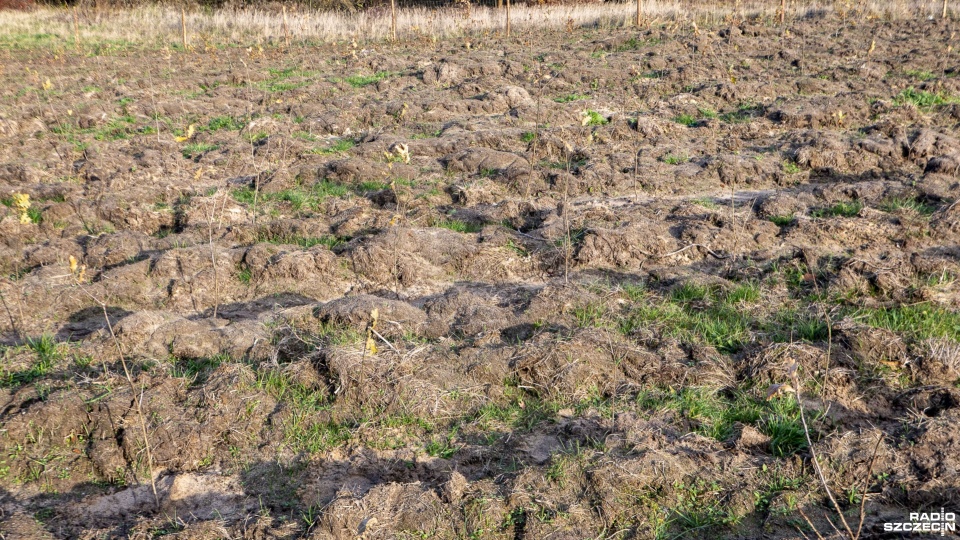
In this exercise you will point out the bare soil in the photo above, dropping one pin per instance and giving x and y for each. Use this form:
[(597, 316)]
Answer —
[(603, 251)]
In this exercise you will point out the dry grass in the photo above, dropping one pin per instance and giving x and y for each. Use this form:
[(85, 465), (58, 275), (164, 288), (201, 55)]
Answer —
[(159, 25)]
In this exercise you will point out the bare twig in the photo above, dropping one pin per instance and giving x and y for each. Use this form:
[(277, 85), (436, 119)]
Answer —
[(681, 250), (133, 389), (814, 459), (13, 323), (866, 485)]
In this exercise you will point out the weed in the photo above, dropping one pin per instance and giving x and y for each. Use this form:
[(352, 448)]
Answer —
[(922, 99), (672, 159), (47, 353), (844, 209), (257, 138), (196, 370), (458, 226), (920, 74), (790, 167), (570, 98), (518, 249), (783, 221), (339, 147), (745, 112), (305, 242), (225, 122), (590, 314), (690, 292), (685, 119), (298, 198), (593, 118), (443, 447), (699, 505), (707, 112), (918, 321), (706, 202), (359, 81), (528, 137), (195, 150), (898, 204), (744, 293)]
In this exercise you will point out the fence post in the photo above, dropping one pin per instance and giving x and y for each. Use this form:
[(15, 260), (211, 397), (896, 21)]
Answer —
[(508, 18), (943, 15), (639, 10), (286, 31), (183, 26), (393, 19), (76, 29)]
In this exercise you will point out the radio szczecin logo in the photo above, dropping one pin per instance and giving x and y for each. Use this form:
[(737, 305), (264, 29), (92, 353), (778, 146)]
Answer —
[(926, 522)]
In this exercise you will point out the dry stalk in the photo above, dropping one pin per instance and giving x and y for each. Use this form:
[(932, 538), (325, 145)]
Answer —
[(566, 219), (866, 485), (13, 323), (183, 27), (213, 258), (133, 387), (814, 459), (76, 29)]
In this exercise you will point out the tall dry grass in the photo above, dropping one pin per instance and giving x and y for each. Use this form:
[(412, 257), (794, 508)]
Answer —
[(160, 25)]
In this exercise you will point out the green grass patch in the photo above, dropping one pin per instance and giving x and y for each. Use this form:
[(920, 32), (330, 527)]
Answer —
[(305, 242), (674, 159), (195, 150), (922, 99), (920, 74), (590, 314), (706, 202), (458, 226), (47, 353), (748, 293), (279, 80), (568, 98), (713, 414), (783, 221), (720, 325), (909, 204), (842, 209), (917, 321), (359, 81), (299, 198), (341, 146), (746, 112), (790, 167), (228, 123), (196, 370), (685, 119), (593, 118), (634, 44)]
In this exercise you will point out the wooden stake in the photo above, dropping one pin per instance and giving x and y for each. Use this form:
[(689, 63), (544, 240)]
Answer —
[(286, 32), (783, 10), (943, 14), (508, 18), (639, 10), (393, 19), (76, 29), (183, 26)]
